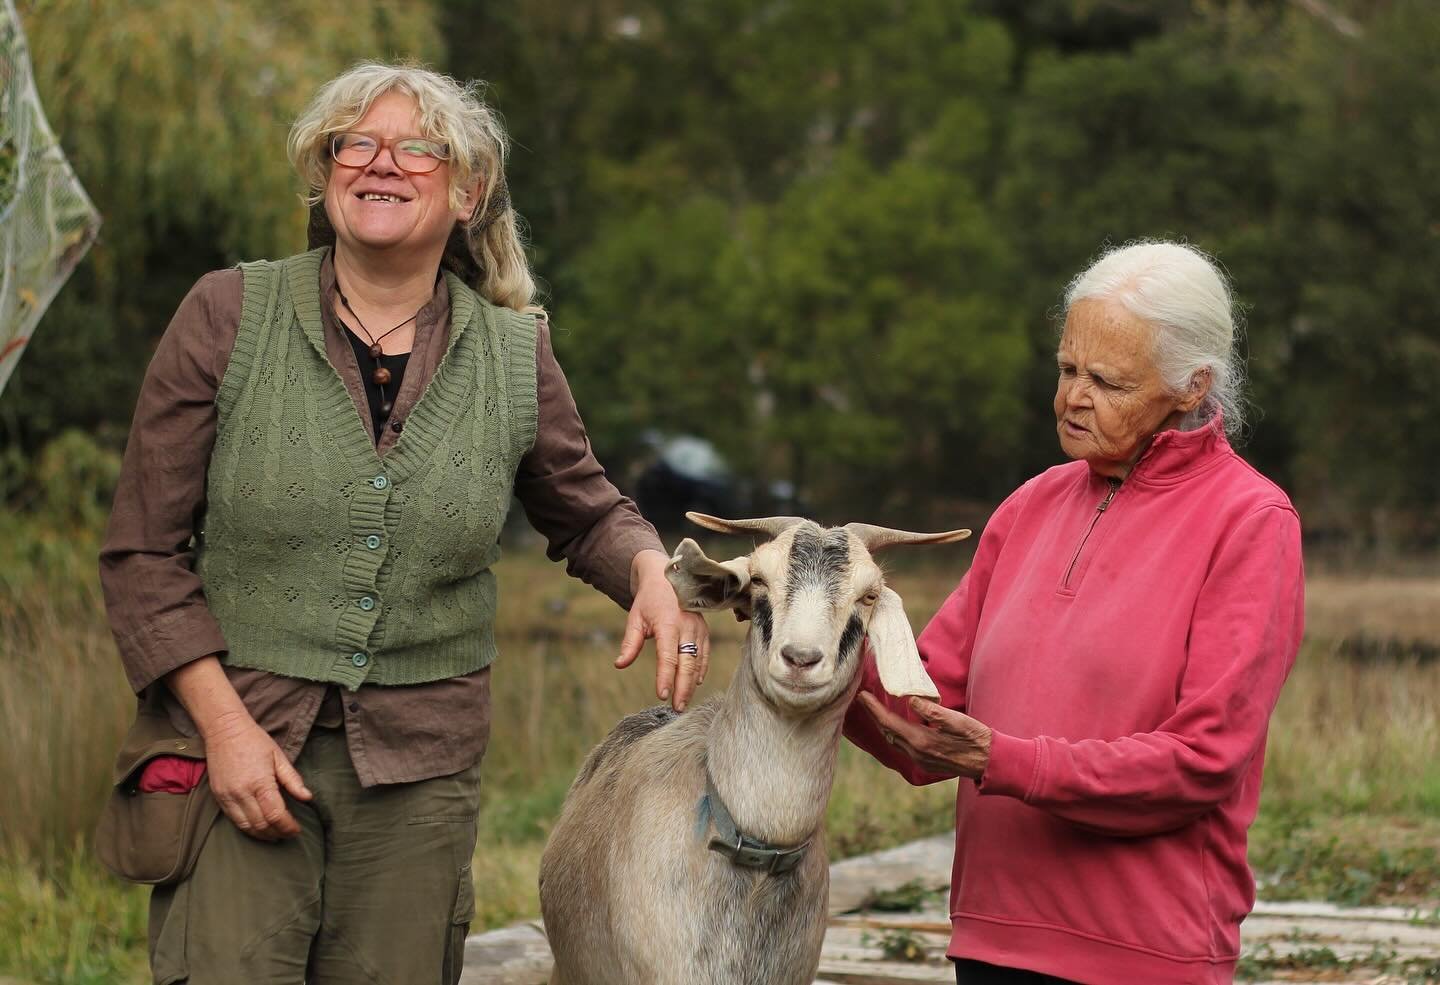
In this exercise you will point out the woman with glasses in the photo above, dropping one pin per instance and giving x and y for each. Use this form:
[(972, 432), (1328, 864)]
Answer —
[(298, 564)]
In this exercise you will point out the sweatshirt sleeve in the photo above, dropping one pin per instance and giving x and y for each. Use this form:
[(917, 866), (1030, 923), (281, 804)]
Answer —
[(945, 647), (1244, 636)]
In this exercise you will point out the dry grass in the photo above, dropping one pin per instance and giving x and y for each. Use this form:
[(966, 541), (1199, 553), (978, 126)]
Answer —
[(1348, 737), (1339, 606)]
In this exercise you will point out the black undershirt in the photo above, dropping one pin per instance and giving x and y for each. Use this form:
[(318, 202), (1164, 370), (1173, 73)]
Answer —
[(394, 363)]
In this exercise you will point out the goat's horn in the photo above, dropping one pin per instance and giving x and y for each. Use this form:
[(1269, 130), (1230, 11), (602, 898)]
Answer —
[(874, 538), (770, 526)]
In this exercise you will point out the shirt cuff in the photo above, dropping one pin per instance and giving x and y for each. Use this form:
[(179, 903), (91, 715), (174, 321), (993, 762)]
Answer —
[(613, 579), (1014, 766), (167, 642)]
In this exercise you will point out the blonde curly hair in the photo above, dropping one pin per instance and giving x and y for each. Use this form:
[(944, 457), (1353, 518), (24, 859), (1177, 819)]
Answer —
[(487, 251)]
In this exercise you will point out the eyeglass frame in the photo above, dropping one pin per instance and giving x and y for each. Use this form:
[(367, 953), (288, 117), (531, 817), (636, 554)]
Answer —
[(383, 143)]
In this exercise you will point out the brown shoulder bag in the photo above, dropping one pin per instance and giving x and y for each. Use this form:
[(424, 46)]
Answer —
[(154, 837)]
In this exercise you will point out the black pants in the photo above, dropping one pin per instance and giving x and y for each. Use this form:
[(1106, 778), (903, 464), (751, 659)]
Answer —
[(979, 973)]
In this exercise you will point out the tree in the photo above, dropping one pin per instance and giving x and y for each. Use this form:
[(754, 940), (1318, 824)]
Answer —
[(1362, 193), (174, 115)]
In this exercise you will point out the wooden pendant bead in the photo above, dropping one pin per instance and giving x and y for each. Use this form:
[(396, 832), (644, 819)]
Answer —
[(376, 352), (381, 376)]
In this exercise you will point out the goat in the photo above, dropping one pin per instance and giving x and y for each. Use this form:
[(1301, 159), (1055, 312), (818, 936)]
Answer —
[(690, 849)]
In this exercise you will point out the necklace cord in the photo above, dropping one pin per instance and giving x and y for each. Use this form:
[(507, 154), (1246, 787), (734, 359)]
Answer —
[(379, 375)]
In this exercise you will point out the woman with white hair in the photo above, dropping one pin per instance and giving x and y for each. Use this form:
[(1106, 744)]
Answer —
[(1109, 664), (298, 565)]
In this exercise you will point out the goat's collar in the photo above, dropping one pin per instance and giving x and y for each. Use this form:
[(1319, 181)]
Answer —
[(739, 847)]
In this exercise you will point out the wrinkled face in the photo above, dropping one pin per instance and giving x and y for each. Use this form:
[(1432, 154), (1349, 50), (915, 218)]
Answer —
[(1111, 399), (381, 207), (812, 592)]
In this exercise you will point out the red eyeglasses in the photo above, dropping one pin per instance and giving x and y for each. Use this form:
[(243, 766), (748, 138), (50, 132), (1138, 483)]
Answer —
[(413, 155)]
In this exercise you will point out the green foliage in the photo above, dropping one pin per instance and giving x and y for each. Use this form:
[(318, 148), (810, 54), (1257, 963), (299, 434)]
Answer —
[(829, 235), (174, 116), (71, 925), (1363, 199), (1303, 856), (908, 898), (897, 944), (74, 479)]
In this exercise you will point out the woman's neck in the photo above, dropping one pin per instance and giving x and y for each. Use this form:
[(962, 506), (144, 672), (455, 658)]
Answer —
[(384, 289)]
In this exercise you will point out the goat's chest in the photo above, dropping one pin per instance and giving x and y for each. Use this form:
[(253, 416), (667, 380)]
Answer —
[(767, 928)]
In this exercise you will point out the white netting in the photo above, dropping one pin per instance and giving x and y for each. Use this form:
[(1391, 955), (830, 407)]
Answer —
[(46, 220)]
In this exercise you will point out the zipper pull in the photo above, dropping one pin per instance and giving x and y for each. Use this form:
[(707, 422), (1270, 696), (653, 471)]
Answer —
[(1105, 503)]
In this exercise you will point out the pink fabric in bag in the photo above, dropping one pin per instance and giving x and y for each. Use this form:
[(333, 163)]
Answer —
[(171, 774)]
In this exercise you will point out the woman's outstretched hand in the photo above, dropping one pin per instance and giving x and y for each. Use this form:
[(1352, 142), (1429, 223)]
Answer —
[(682, 640), (943, 742)]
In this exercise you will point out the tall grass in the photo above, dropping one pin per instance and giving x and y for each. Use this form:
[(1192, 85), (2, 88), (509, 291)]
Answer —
[(1349, 737)]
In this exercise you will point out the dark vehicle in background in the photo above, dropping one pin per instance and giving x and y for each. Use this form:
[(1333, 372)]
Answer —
[(678, 473)]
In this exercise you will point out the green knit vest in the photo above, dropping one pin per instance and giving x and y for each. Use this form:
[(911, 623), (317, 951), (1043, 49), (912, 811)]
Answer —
[(323, 560)]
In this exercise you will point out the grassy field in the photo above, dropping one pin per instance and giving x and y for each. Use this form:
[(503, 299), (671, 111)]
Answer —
[(1351, 810)]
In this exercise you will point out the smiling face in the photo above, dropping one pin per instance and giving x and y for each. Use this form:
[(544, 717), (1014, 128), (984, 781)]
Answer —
[(380, 207), (1111, 398)]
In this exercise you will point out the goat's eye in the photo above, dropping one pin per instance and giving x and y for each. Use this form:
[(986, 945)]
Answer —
[(870, 598), (757, 582)]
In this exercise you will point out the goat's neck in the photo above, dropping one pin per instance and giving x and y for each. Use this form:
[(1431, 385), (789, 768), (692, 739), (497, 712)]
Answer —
[(773, 771)]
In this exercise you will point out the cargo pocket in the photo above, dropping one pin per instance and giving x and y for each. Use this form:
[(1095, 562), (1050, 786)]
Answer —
[(460, 917), (169, 919)]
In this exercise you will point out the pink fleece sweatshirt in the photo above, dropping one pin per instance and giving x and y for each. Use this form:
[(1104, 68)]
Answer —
[(1127, 644)]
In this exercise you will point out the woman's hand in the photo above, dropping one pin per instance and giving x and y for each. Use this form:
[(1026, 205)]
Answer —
[(247, 771), (682, 640), (246, 767), (947, 743)]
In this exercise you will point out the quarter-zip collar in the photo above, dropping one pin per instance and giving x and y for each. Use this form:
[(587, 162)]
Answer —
[(1174, 456)]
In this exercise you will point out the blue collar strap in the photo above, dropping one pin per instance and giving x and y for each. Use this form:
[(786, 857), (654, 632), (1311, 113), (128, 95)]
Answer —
[(739, 848)]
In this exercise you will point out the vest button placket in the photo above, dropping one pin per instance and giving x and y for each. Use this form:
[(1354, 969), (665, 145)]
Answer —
[(479, 408)]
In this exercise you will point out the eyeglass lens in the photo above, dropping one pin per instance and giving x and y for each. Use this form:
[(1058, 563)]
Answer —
[(413, 154)]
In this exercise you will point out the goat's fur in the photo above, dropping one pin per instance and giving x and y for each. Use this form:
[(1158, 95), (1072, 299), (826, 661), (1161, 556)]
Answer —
[(629, 889)]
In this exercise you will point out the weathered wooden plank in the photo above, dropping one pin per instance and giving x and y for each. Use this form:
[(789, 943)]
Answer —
[(885, 972), (864, 944), (934, 923), (1345, 950), (853, 955), (1307, 909), (1388, 933), (927, 861), (515, 955)]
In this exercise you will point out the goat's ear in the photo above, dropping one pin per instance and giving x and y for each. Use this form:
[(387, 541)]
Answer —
[(896, 656), (702, 584)]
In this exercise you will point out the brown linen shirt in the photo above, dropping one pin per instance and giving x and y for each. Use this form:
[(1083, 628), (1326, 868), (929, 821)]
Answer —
[(156, 602)]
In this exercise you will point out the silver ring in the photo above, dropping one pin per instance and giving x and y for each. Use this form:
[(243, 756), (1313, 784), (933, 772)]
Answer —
[(691, 648)]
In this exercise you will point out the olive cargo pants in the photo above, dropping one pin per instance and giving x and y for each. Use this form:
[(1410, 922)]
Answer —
[(375, 889)]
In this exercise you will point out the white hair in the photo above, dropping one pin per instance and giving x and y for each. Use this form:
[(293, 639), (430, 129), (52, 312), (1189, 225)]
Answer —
[(1185, 297)]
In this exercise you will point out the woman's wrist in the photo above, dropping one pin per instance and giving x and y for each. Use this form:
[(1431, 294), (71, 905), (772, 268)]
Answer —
[(646, 564), (208, 696)]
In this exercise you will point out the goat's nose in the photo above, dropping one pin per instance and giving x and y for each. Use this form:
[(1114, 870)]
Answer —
[(801, 656)]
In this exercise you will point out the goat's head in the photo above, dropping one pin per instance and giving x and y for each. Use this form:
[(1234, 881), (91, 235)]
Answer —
[(812, 594)]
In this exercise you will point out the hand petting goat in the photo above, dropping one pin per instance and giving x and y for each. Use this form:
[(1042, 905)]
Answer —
[(943, 742), (682, 640)]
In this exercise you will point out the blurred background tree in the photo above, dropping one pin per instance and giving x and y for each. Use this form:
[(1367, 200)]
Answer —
[(829, 236), (174, 115)]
